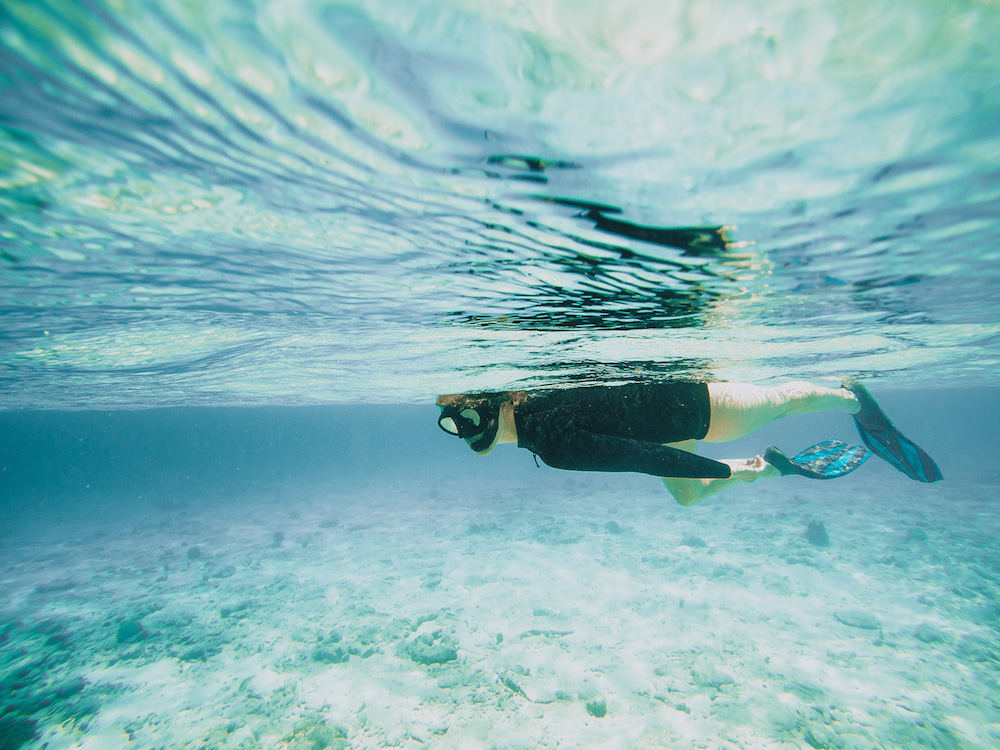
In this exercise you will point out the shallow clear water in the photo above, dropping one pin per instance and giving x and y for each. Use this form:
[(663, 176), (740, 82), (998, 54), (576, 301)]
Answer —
[(338, 210), (301, 202), (351, 577)]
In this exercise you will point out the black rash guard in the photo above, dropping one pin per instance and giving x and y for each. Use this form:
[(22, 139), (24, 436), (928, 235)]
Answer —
[(619, 428)]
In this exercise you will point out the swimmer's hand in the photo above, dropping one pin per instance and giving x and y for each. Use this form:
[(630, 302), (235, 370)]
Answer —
[(751, 469)]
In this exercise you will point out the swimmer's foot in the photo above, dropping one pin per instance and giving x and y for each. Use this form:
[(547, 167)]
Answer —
[(827, 460), (881, 436)]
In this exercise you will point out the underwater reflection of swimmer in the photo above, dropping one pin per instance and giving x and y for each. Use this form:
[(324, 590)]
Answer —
[(653, 428)]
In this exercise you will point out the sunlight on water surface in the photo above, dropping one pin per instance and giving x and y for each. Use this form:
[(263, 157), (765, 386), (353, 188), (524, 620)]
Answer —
[(374, 201)]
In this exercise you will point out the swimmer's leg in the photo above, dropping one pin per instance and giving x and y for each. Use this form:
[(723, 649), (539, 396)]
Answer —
[(741, 408), (691, 491)]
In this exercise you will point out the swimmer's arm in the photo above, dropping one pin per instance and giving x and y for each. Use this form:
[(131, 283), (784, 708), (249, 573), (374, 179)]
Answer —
[(690, 491), (580, 450)]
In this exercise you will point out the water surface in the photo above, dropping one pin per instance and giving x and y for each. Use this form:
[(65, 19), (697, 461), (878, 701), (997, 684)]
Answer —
[(304, 202)]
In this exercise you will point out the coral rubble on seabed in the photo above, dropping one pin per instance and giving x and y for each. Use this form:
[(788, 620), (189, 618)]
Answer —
[(598, 614)]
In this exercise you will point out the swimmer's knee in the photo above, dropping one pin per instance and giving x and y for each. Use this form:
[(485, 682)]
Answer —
[(684, 493)]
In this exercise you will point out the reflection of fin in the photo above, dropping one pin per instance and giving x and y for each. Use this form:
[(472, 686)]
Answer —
[(694, 241), (528, 163), (880, 434), (827, 460)]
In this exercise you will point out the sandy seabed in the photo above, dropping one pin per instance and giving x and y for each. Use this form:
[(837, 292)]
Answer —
[(789, 614)]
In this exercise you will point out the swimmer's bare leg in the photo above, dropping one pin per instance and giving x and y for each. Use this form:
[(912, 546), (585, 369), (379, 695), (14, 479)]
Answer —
[(741, 408), (691, 491)]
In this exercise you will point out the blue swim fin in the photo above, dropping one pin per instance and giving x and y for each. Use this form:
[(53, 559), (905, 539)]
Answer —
[(881, 436), (827, 460)]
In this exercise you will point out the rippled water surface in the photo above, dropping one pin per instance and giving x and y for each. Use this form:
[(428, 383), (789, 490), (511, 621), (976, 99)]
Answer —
[(305, 201)]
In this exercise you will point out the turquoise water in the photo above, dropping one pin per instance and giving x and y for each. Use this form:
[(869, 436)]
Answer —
[(244, 244), (309, 202)]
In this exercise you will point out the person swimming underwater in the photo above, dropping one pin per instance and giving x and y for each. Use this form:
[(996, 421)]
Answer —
[(654, 428)]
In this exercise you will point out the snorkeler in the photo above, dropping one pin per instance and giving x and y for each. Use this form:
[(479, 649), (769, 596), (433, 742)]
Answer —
[(653, 428)]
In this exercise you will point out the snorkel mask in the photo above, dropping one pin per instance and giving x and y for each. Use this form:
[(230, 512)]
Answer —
[(475, 420)]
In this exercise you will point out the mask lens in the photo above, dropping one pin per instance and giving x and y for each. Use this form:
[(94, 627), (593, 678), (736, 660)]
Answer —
[(448, 425), (472, 415)]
